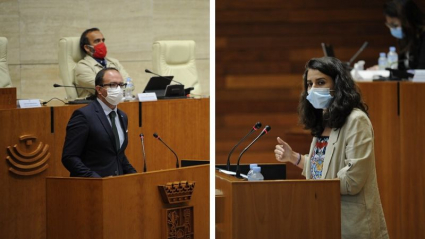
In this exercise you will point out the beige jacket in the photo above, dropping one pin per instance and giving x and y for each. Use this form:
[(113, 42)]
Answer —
[(85, 73), (350, 157)]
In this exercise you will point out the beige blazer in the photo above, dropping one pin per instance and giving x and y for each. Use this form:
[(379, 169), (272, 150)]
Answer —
[(350, 157), (86, 69)]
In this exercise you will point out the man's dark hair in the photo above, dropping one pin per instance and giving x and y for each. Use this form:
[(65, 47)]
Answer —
[(346, 97), (84, 40), (99, 76)]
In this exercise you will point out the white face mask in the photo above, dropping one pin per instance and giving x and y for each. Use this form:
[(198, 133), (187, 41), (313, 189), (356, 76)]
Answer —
[(114, 96), (319, 97)]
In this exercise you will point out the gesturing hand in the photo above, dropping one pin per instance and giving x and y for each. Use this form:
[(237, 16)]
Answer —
[(283, 151)]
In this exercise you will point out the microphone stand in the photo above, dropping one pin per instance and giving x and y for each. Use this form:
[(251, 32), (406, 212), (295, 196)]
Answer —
[(265, 130), (143, 151), (177, 158), (256, 126)]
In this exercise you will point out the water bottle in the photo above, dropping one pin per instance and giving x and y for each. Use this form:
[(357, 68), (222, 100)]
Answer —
[(382, 61), (128, 95), (392, 58), (256, 175), (251, 166)]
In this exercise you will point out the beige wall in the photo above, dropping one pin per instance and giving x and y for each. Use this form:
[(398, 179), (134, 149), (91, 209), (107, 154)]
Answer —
[(33, 29)]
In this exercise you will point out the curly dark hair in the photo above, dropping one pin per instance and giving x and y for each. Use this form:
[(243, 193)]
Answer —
[(346, 97)]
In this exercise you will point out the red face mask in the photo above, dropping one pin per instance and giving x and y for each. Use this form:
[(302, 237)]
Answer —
[(100, 51)]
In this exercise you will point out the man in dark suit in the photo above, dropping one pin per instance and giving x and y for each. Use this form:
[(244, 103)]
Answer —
[(96, 135)]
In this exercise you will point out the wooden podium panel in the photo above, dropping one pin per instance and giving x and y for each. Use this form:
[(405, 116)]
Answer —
[(412, 161), (277, 208), (397, 113), (382, 100), (8, 98), (127, 206), (22, 190)]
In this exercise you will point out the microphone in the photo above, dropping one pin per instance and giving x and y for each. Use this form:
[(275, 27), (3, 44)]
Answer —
[(159, 138), (168, 78), (358, 53), (73, 86), (265, 131), (254, 128), (143, 151)]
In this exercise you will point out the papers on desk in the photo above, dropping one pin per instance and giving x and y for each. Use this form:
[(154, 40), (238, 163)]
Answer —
[(32, 103), (419, 76), (147, 97), (368, 75), (231, 173)]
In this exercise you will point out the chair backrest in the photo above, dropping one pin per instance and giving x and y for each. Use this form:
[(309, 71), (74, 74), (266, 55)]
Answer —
[(176, 58), (69, 55), (5, 80)]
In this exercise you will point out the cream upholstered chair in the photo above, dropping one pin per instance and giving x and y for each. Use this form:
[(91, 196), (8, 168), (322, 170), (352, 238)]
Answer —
[(4, 68), (177, 58), (69, 55)]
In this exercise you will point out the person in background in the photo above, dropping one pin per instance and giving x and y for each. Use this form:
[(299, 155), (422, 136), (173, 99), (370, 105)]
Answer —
[(92, 44), (331, 107), (407, 23), (96, 135)]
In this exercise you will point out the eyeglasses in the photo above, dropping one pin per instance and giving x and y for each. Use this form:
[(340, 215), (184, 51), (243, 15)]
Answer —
[(114, 85)]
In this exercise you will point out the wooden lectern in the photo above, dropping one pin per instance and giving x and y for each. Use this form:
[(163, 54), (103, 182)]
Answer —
[(160, 204), (294, 209)]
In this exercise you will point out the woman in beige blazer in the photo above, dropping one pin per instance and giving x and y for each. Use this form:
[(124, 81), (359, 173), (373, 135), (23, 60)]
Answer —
[(331, 107)]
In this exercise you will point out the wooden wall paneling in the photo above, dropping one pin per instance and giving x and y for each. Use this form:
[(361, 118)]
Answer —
[(264, 98), (22, 203), (134, 147), (302, 29), (381, 97), (412, 161), (189, 122), (277, 4), (169, 120), (157, 155)]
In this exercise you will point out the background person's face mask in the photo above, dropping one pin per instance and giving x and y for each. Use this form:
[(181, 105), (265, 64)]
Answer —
[(319, 97), (99, 50), (114, 96), (397, 32)]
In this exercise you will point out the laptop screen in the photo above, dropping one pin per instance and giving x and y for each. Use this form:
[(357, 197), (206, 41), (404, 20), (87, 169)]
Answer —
[(157, 83)]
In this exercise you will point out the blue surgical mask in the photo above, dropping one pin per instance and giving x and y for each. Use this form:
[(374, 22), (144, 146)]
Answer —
[(319, 97), (397, 32)]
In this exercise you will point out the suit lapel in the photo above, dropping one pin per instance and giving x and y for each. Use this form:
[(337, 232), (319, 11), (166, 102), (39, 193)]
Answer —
[(104, 121), (333, 139)]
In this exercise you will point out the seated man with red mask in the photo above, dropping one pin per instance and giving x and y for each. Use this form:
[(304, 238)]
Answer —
[(92, 44)]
